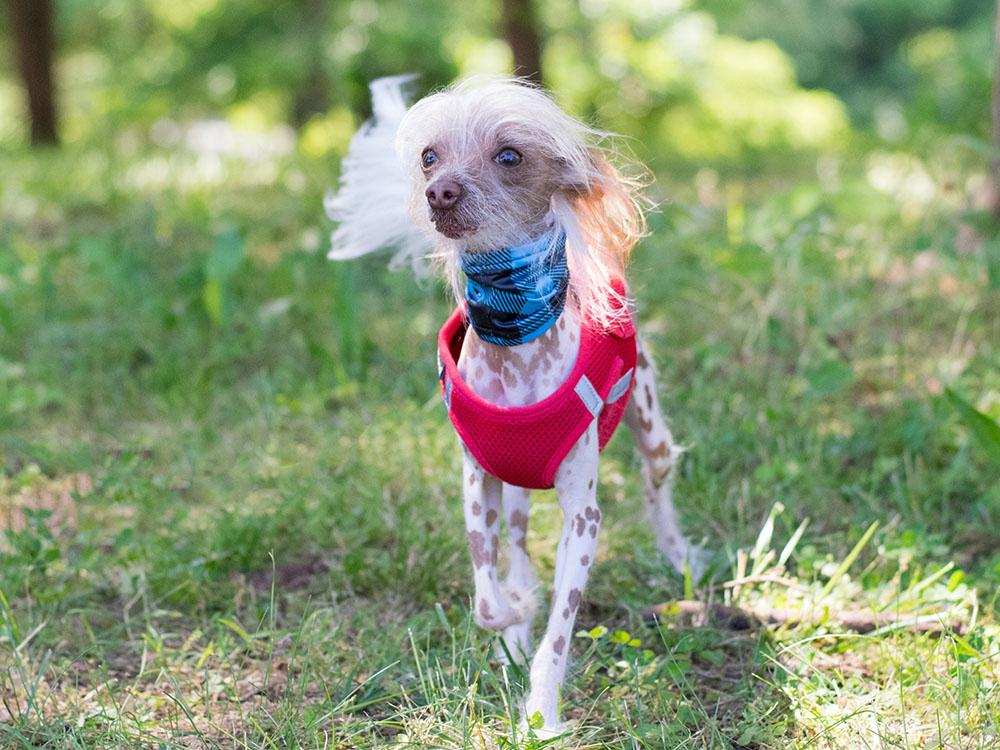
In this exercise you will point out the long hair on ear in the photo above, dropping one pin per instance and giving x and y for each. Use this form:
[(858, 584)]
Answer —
[(603, 220)]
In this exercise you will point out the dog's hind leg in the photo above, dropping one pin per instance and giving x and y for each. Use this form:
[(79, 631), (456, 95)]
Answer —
[(659, 458), (519, 586)]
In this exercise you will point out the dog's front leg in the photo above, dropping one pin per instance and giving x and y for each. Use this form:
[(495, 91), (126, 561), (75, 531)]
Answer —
[(576, 484), (520, 584), (482, 529)]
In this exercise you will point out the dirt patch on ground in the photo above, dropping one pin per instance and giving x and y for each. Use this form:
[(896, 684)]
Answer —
[(291, 576), (55, 496)]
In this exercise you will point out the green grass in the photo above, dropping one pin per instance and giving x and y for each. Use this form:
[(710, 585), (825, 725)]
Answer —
[(230, 494)]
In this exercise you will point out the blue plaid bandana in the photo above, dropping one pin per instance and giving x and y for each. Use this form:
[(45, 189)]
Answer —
[(515, 294)]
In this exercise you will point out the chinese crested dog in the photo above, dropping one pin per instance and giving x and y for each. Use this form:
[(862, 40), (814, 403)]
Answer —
[(518, 206)]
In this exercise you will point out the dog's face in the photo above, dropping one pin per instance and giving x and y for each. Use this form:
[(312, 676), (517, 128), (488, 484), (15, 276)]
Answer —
[(484, 162)]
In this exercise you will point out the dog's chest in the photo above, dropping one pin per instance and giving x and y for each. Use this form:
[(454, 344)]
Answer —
[(524, 374)]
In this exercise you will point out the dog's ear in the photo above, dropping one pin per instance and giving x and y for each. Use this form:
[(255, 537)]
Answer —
[(576, 176), (607, 204)]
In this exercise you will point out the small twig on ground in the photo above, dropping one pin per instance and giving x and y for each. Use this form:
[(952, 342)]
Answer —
[(779, 580), (746, 618)]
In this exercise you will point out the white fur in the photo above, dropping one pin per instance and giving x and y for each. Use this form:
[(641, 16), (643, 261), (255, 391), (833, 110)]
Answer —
[(475, 113), (379, 201), (370, 204)]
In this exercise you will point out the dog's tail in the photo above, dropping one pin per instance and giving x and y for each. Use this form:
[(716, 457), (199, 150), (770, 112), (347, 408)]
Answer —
[(370, 203)]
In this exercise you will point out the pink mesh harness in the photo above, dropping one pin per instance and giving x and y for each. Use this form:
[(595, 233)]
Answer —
[(524, 445)]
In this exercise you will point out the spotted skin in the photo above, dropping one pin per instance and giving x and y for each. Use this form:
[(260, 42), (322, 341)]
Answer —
[(518, 376), (659, 455), (491, 609), (520, 584)]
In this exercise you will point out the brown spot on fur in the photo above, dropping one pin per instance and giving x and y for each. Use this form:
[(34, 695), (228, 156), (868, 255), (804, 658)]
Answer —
[(519, 520), (592, 514), (477, 548), (520, 543), (476, 508), (590, 484), (493, 392), (585, 560), (641, 360), (509, 378), (484, 610), (660, 451), (542, 355), (566, 613), (574, 598), (645, 424), (559, 645), (649, 397), (593, 531), (580, 525), (494, 548), (491, 516)]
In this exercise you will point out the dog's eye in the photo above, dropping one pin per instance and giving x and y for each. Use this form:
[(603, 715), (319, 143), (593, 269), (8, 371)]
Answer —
[(507, 157), (428, 158)]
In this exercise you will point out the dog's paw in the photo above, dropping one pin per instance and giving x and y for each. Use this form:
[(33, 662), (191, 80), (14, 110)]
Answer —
[(536, 724), (544, 732), (514, 644), (699, 560), (523, 601), (686, 556), (493, 614)]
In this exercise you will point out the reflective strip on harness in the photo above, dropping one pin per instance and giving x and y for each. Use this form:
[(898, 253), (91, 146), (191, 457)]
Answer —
[(447, 392), (588, 394), (618, 389)]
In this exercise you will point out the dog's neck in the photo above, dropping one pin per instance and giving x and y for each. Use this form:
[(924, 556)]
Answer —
[(515, 294), (516, 359), (523, 374)]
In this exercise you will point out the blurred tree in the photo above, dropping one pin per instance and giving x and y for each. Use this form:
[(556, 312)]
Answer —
[(996, 116), (32, 26), (313, 94), (520, 29), (901, 66)]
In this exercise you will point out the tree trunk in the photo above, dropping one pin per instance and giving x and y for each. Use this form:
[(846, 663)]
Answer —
[(996, 116), (32, 24), (313, 94), (520, 29)]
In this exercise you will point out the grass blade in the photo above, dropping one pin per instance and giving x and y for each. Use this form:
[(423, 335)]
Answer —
[(849, 560)]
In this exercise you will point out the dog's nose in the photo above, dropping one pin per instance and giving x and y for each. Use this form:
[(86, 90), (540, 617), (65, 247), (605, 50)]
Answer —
[(443, 194)]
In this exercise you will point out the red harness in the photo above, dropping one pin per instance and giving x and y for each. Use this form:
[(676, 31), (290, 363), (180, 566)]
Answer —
[(524, 445)]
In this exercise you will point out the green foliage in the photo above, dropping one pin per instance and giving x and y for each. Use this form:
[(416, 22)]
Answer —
[(262, 544), (900, 66), (985, 429)]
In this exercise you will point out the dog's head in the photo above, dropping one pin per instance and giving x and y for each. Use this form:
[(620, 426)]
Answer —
[(487, 163), (487, 158)]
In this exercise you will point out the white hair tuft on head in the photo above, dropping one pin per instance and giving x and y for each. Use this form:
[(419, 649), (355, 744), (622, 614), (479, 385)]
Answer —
[(370, 205)]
